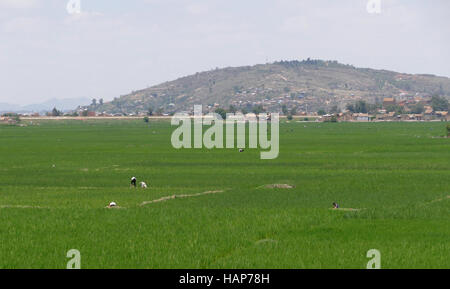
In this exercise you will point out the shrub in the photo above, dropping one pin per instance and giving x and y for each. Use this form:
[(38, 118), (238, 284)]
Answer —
[(222, 112), (332, 119), (439, 103), (14, 116), (56, 112), (321, 112)]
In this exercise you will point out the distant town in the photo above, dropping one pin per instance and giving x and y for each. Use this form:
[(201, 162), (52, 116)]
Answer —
[(402, 108)]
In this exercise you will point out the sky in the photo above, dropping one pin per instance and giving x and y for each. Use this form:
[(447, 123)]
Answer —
[(109, 48)]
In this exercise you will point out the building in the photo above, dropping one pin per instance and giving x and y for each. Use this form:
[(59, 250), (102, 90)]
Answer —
[(428, 110), (326, 117), (361, 117), (387, 101), (442, 114), (416, 116)]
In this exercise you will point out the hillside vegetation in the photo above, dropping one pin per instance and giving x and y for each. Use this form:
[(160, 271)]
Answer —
[(308, 84)]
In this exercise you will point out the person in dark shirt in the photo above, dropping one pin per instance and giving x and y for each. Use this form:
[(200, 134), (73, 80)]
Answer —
[(133, 181)]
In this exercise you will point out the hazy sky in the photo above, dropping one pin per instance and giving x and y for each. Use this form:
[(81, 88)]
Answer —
[(115, 46)]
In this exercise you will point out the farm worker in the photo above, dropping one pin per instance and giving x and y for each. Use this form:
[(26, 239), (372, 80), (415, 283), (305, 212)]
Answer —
[(133, 182), (335, 205), (112, 204), (143, 185)]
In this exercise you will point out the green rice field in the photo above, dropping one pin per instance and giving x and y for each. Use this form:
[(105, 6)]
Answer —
[(391, 180)]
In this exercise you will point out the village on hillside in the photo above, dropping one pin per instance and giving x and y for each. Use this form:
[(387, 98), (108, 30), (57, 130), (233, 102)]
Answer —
[(382, 114), (403, 107), (415, 109)]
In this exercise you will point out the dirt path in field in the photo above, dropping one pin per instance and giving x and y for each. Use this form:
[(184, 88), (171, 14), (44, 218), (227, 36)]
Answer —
[(172, 197), (346, 209), (21, 207), (439, 200), (276, 186)]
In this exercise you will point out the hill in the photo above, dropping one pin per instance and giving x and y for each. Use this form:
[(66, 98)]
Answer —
[(307, 85), (61, 104)]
